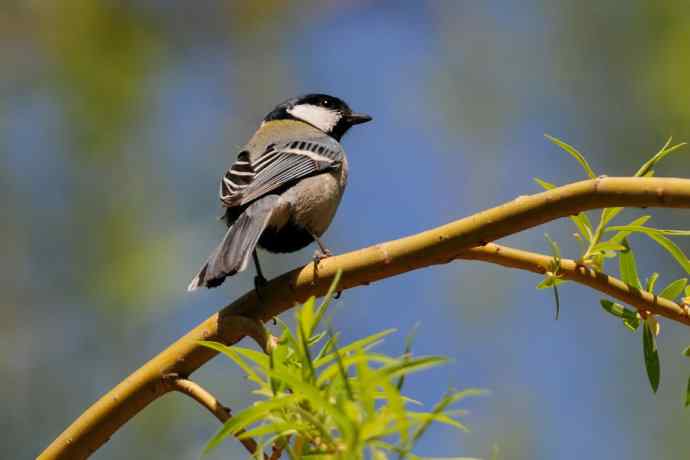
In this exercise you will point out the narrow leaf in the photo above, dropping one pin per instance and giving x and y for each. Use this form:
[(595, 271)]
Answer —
[(687, 394), (583, 224), (608, 214), (665, 151), (230, 353), (651, 356), (543, 184), (662, 241), (363, 343), (247, 417), (632, 324), (406, 354), (607, 246), (628, 267), (575, 154), (326, 302), (674, 289), (649, 230), (618, 310), (305, 317), (651, 282), (621, 235)]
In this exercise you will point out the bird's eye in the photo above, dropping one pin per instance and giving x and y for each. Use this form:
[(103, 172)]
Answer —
[(325, 102)]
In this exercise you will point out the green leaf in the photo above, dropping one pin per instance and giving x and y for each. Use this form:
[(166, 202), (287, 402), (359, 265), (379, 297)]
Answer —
[(258, 358), (318, 402), (686, 351), (305, 316), (584, 225), (660, 155), (674, 289), (607, 246), (346, 362), (549, 281), (651, 356), (266, 429), (363, 343), (440, 407), (651, 282), (441, 418), (662, 241), (341, 368), (628, 267), (543, 184), (408, 350), (555, 250), (618, 310), (307, 362), (326, 302), (247, 417), (687, 394), (620, 236), (632, 324), (575, 154), (230, 353), (397, 369), (648, 230), (608, 214), (397, 406)]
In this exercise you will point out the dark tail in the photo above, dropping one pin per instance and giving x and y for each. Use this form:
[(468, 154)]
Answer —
[(233, 253)]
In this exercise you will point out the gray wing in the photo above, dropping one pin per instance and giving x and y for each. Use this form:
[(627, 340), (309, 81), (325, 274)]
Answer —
[(248, 179)]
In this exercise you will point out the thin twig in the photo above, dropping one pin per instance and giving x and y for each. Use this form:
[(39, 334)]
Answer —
[(210, 402), (569, 269)]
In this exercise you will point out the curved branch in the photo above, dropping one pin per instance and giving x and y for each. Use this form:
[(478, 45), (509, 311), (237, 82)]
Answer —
[(440, 245), (571, 270), (206, 399)]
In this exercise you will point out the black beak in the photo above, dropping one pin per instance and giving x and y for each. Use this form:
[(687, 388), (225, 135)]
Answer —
[(357, 118)]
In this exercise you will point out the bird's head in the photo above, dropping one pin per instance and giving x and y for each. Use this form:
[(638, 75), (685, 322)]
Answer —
[(327, 113)]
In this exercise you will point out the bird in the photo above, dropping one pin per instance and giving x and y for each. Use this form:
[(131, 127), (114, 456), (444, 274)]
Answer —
[(284, 188)]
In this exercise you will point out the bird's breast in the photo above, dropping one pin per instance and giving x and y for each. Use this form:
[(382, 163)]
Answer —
[(306, 208)]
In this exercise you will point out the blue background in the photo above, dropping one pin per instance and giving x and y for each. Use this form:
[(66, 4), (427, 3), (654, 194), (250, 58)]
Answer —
[(118, 118)]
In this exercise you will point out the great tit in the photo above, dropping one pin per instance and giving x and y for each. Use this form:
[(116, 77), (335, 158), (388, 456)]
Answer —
[(285, 186)]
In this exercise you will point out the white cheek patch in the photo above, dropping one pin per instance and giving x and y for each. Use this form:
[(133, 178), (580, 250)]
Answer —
[(321, 117)]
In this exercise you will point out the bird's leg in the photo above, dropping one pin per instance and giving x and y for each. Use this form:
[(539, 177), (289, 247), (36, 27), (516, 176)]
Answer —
[(325, 252), (322, 253), (259, 280)]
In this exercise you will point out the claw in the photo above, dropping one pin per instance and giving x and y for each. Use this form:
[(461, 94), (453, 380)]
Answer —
[(318, 257)]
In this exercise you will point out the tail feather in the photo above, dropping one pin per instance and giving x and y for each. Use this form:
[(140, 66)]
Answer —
[(233, 253)]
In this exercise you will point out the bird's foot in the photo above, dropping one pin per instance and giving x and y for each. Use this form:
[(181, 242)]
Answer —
[(319, 255)]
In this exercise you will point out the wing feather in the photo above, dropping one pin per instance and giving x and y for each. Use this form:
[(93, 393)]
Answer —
[(248, 180)]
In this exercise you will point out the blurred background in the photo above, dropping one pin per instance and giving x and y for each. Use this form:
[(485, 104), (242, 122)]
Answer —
[(117, 119)]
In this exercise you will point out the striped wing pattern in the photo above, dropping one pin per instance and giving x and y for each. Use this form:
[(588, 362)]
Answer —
[(248, 180)]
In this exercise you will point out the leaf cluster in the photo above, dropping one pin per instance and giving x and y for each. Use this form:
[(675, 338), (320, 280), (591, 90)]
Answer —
[(596, 250), (321, 400)]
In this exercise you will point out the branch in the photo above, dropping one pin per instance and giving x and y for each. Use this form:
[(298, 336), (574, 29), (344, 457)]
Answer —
[(440, 245), (206, 399), (539, 263)]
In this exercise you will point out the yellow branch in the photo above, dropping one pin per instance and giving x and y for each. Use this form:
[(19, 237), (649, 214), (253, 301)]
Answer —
[(440, 245)]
